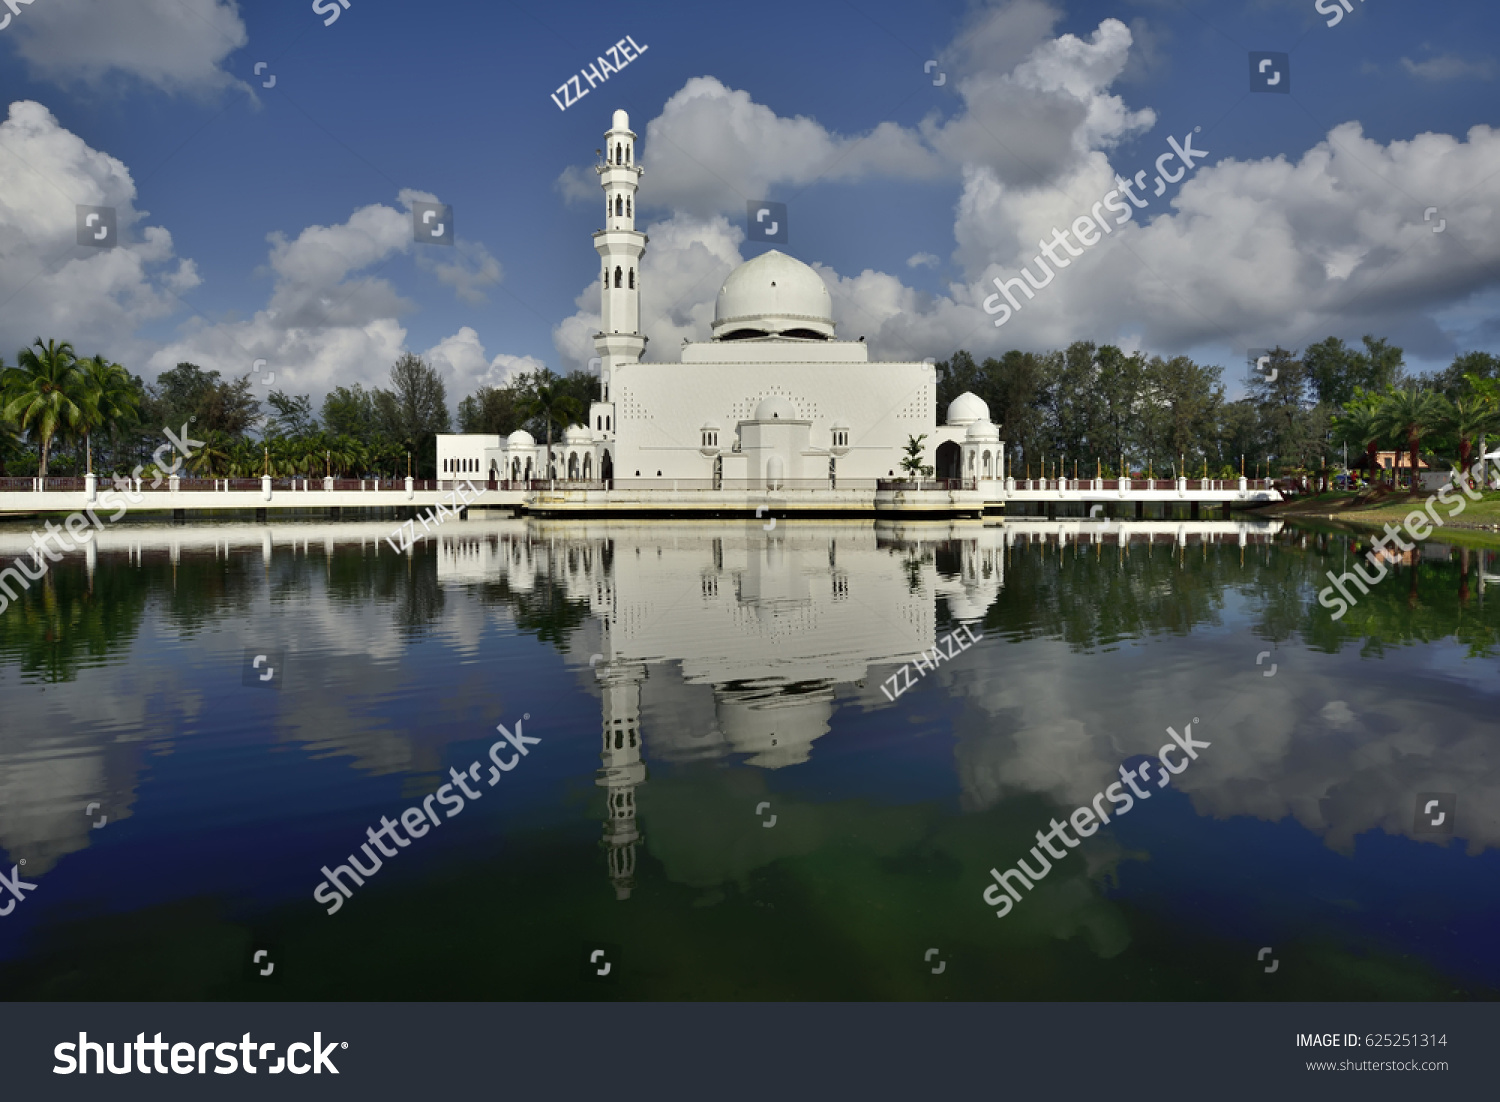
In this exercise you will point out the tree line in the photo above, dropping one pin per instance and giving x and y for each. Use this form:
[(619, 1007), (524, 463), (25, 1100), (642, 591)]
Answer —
[(61, 415), (1097, 405), (65, 415)]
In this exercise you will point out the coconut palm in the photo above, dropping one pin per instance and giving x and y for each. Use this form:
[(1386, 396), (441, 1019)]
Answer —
[(1465, 419), (1406, 415), (245, 458), (1359, 425), (111, 400), (44, 393), (213, 455), (349, 456), (549, 401)]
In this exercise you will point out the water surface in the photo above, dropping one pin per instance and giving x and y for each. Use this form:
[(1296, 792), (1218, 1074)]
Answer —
[(724, 800)]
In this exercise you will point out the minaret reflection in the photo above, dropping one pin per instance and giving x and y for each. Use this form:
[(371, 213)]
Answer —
[(622, 767)]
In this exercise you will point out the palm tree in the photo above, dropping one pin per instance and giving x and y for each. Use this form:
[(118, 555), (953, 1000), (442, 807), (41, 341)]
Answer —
[(349, 456), (245, 458), (217, 451), (1359, 425), (44, 392), (1406, 415), (1464, 419), (111, 398), (550, 402)]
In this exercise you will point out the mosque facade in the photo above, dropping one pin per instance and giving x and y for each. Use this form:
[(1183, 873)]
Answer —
[(773, 400)]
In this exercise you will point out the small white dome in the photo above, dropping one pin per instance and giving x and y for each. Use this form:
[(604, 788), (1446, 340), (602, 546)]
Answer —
[(520, 439), (578, 434), (710, 426), (621, 121), (982, 430), (967, 408), (775, 408)]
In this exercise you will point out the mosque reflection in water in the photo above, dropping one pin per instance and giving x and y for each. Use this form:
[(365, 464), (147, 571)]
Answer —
[(775, 621)]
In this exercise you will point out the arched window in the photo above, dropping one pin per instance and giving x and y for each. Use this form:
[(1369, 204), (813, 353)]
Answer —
[(598, 422), (627, 154), (619, 154), (619, 206), (606, 422), (588, 467), (627, 207), (515, 470), (606, 270), (632, 279), (619, 274)]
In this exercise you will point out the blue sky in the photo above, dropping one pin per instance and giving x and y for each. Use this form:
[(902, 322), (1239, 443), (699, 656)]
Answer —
[(268, 223)]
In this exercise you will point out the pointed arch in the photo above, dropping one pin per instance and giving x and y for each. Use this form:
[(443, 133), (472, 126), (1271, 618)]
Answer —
[(632, 279), (619, 275)]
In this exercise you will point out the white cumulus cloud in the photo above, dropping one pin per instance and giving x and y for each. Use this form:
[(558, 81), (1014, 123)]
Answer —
[(50, 286), (178, 46)]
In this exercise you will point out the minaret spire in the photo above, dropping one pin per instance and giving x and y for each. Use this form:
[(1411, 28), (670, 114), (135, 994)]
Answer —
[(620, 246)]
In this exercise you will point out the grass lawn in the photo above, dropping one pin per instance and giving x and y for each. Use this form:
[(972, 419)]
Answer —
[(1476, 522)]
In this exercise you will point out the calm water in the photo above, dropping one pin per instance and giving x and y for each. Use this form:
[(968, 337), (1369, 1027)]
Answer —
[(723, 801)]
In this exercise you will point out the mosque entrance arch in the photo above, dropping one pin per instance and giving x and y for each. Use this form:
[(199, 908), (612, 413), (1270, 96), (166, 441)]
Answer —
[(606, 470), (949, 460)]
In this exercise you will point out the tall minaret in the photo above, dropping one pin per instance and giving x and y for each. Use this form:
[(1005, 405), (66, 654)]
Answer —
[(620, 247)]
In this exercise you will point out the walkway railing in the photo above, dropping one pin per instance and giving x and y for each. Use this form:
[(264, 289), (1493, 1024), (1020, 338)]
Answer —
[(283, 484), (909, 484)]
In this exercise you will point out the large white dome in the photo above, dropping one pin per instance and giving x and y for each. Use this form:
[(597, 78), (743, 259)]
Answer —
[(967, 408), (520, 439), (773, 295)]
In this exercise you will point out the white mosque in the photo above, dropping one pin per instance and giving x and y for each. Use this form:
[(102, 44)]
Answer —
[(774, 400)]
